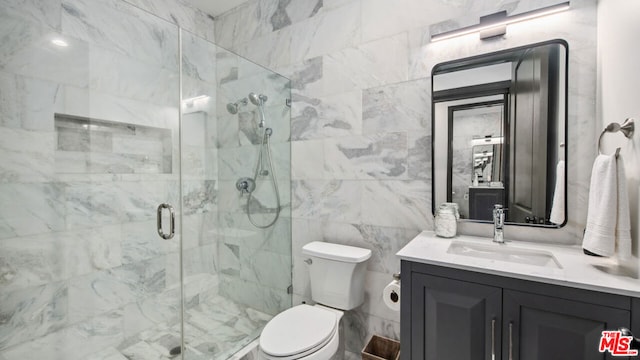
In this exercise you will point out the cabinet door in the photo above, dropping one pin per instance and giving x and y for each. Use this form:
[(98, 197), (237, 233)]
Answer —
[(454, 320), (635, 317), (540, 327)]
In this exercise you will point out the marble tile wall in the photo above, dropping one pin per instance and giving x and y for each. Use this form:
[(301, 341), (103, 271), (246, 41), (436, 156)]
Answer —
[(255, 264), (181, 13), (361, 119), (82, 268)]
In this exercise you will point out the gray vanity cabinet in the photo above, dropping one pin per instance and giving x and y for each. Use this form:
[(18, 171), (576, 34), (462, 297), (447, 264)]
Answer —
[(635, 315), (464, 315), (461, 319)]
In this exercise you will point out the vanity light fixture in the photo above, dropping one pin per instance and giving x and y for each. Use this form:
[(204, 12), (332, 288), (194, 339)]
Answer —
[(488, 140), (496, 24)]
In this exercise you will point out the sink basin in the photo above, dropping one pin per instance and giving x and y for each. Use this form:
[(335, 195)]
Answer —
[(503, 252)]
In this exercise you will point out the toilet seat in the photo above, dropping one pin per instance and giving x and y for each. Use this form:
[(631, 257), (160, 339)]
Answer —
[(298, 332)]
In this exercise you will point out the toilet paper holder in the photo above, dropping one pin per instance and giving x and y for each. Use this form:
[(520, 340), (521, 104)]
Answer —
[(391, 293), (395, 296)]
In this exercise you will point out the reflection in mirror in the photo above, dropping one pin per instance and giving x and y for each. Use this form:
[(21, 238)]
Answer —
[(499, 132), (476, 160)]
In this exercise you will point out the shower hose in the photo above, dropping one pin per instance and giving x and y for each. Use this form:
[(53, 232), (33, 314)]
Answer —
[(265, 145)]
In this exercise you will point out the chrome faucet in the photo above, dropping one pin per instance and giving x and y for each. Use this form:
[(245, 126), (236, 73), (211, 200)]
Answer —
[(498, 223)]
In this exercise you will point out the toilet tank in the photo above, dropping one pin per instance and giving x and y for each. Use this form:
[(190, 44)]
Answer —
[(337, 273)]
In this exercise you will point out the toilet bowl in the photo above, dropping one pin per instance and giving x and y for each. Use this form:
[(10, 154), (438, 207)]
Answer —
[(306, 332), (303, 332)]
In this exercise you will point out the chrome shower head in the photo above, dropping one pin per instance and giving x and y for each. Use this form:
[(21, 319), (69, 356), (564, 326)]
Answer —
[(234, 107), (257, 99)]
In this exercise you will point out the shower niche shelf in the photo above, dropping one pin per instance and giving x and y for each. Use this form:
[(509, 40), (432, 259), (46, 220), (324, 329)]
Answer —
[(90, 146)]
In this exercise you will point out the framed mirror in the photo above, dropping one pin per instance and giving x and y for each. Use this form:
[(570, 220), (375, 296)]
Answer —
[(499, 130)]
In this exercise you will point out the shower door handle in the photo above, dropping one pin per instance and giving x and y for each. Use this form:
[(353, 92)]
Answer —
[(172, 223)]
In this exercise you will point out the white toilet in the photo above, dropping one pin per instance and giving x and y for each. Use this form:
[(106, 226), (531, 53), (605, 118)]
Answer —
[(313, 332)]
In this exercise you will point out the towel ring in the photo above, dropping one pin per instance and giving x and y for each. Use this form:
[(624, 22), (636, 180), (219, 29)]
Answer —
[(627, 128)]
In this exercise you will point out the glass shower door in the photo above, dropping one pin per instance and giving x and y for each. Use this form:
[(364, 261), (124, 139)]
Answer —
[(89, 147), (95, 137), (236, 275)]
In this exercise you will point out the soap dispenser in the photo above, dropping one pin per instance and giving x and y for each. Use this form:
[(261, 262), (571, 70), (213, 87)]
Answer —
[(446, 220)]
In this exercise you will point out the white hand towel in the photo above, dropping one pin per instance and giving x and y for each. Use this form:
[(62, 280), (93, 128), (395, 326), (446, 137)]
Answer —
[(623, 226), (557, 206), (608, 209), (600, 234)]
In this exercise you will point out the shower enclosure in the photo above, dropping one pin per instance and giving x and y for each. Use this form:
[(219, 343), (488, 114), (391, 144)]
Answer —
[(106, 113)]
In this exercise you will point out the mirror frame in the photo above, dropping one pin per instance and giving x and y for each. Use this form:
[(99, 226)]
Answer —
[(493, 89)]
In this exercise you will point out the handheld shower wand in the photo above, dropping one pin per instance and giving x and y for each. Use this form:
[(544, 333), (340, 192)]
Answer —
[(259, 100), (264, 164)]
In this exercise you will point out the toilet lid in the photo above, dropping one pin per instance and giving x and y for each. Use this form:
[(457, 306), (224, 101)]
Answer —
[(297, 330)]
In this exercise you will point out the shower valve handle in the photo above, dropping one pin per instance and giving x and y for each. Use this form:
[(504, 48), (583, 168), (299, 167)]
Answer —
[(245, 185)]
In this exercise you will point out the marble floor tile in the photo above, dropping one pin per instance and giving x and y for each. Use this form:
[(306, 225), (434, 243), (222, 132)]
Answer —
[(214, 329), (143, 351), (107, 354)]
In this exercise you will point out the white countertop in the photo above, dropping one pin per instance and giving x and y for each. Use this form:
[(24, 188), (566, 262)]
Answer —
[(578, 270)]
